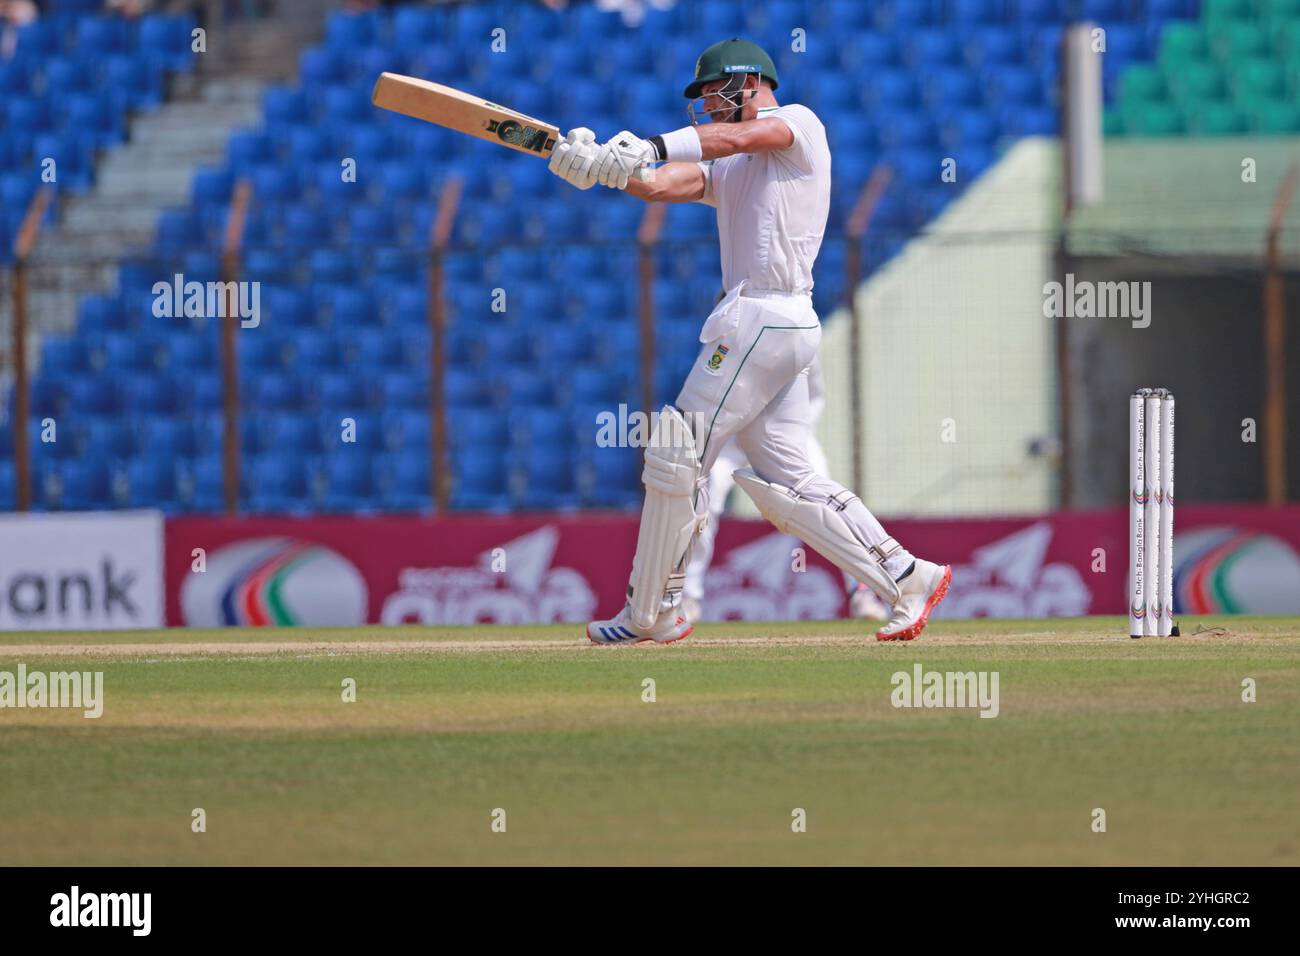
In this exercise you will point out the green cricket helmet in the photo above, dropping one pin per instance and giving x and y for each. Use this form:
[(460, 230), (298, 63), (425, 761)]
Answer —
[(728, 58)]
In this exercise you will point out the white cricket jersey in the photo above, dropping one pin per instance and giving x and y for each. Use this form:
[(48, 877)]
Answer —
[(772, 206)]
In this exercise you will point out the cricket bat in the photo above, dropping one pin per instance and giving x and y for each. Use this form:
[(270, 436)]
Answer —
[(466, 113)]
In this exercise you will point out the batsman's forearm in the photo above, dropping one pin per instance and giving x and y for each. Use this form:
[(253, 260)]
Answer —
[(673, 182)]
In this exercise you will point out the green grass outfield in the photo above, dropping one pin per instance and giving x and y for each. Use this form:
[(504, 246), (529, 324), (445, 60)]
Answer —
[(751, 722)]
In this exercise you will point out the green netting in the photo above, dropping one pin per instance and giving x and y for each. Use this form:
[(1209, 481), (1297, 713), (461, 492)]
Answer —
[(1190, 195)]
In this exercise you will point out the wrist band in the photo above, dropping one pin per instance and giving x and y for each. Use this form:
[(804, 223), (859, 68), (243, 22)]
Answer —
[(680, 146)]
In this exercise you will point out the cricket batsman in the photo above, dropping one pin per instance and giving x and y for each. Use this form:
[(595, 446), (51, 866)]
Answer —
[(766, 168), (863, 602)]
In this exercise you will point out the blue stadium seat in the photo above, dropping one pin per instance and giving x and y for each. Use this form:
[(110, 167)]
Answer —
[(950, 87), (891, 88), (534, 427), (132, 82), (346, 29), (993, 44), (402, 389), (86, 485), (331, 267), (166, 437), (480, 480), (274, 183), (470, 427), (1039, 11), (320, 66), (611, 478), (63, 355), (200, 484), (167, 40), (105, 438), (287, 432), (404, 483), (372, 349), (970, 126), (211, 186), (340, 392), (277, 483), (274, 391), (401, 180), (405, 429), (932, 47), (1012, 86), (348, 481), (149, 483), (544, 479)]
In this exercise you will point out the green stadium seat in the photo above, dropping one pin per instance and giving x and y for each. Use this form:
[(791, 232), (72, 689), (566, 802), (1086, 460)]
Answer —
[(1153, 119), (1287, 37), (1257, 78), (1142, 82), (1112, 123), (1197, 80), (1279, 9), (1274, 116), (1181, 42), (1235, 39), (1212, 10), (1213, 118)]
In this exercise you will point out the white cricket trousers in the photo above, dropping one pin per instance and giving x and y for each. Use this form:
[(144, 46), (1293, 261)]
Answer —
[(750, 382)]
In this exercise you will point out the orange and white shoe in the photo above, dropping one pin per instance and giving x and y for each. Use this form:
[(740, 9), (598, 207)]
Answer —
[(921, 590), (671, 626)]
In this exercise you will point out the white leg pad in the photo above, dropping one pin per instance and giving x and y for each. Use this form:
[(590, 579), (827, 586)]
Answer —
[(668, 518), (823, 527)]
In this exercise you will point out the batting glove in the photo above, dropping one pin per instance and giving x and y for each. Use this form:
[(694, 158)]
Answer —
[(622, 156), (573, 160)]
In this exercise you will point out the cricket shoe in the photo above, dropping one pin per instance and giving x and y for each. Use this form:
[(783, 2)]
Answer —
[(864, 605), (920, 591), (671, 626)]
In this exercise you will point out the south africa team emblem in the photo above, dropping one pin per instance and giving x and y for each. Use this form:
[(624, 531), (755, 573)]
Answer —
[(715, 360)]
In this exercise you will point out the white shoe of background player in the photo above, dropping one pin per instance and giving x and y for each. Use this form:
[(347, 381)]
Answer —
[(864, 605), (691, 609), (921, 590), (671, 626)]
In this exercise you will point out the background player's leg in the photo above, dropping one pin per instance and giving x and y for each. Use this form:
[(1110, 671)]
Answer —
[(718, 486)]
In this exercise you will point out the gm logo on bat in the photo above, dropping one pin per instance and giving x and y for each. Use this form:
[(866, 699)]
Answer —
[(517, 134)]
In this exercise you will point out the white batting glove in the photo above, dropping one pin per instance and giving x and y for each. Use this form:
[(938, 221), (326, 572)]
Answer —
[(573, 159), (622, 156)]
